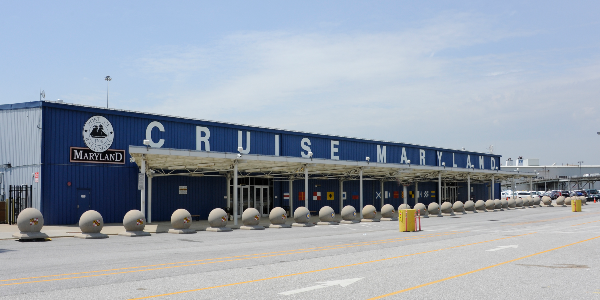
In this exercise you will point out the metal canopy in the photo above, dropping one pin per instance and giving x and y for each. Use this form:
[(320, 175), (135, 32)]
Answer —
[(165, 162)]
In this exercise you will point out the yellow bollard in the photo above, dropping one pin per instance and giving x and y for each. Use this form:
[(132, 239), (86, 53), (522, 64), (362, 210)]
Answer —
[(406, 220), (576, 205)]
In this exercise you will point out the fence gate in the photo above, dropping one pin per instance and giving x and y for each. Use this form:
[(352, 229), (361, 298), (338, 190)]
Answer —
[(19, 198)]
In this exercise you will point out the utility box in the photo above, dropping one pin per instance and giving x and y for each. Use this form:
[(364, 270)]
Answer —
[(576, 205), (406, 219)]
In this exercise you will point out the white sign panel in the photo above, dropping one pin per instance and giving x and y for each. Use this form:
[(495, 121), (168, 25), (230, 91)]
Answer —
[(183, 190)]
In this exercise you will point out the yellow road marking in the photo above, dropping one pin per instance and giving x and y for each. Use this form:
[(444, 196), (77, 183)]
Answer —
[(586, 223), (474, 271), (327, 269), (234, 258)]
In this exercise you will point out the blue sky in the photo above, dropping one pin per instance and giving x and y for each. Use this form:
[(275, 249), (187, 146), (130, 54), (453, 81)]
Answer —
[(523, 76)]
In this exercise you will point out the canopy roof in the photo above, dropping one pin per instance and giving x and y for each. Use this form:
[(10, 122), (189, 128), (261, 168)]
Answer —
[(163, 162)]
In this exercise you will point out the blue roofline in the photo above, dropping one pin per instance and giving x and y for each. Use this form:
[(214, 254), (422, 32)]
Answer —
[(21, 105)]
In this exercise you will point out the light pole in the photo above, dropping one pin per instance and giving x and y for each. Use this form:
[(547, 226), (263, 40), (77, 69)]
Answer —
[(108, 79), (578, 180)]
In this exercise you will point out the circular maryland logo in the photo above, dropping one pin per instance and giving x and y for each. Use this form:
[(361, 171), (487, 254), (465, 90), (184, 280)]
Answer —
[(98, 134), (354, 214), (283, 216), (332, 215), (308, 216), (223, 219)]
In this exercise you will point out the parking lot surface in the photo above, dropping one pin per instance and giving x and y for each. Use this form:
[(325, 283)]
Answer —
[(532, 253)]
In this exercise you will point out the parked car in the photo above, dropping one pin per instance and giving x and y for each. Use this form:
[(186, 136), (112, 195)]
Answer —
[(593, 194), (578, 193), (523, 194), (565, 193)]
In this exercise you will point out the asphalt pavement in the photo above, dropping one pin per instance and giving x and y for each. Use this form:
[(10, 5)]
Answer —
[(532, 253)]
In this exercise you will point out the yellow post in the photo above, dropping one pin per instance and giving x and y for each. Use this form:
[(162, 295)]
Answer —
[(406, 220), (578, 205)]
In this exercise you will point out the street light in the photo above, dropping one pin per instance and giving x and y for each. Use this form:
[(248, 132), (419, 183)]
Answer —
[(108, 79)]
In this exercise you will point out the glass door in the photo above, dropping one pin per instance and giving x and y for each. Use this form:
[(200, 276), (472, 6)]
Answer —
[(243, 199), (262, 201)]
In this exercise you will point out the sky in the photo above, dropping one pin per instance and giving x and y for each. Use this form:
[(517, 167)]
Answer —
[(523, 76)]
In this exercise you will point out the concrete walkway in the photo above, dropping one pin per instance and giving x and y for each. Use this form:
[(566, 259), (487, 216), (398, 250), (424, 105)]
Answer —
[(6, 231)]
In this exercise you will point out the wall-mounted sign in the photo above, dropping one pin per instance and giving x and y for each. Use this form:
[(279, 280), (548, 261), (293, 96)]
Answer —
[(36, 177), (183, 190), (85, 155)]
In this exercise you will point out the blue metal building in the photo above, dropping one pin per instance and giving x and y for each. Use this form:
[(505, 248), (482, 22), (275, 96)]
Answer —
[(96, 158)]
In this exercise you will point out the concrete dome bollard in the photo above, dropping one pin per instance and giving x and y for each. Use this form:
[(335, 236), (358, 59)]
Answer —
[(30, 222), (480, 205), (134, 223), (302, 217), (560, 201), (459, 207), (278, 216), (446, 208), (504, 203), (369, 213), (326, 215), (529, 201), (422, 209), (181, 220), (388, 213), (490, 205), (217, 219), (470, 206), (434, 209), (568, 200), (519, 203), (498, 205), (537, 201), (403, 206), (583, 200), (349, 215), (91, 224), (547, 201), (251, 219), (511, 203)]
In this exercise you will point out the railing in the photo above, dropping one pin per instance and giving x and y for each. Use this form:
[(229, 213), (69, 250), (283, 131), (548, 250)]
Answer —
[(19, 198)]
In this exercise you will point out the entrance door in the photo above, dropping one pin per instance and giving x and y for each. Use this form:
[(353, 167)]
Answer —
[(83, 201), (243, 199), (262, 201)]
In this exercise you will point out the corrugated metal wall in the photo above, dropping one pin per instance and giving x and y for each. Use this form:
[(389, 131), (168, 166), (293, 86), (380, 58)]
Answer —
[(20, 145)]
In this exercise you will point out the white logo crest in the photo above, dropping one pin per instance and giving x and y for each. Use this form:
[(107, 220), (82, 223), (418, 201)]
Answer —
[(98, 134)]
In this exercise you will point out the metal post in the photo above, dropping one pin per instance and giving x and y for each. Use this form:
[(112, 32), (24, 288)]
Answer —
[(416, 193), (306, 187), (514, 187), (440, 194), (361, 193), (291, 200), (228, 192), (235, 193), (404, 194), (492, 186), (382, 195), (143, 191), (149, 198), (468, 186), (341, 195)]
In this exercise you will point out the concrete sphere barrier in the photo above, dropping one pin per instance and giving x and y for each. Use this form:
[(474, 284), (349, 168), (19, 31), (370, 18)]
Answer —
[(251, 219), (470, 205), (525, 202), (349, 215), (217, 219), (519, 202), (537, 201), (388, 212), (458, 207), (91, 224), (490, 205), (568, 200), (30, 221), (529, 201), (403, 206), (302, 217), (181, 219), (422, 209), (511, 203), (369, 212), (278, 216), (504, 203), (480, 205), (583, 200), (433, 208), (134, 222), (497, 204), (447, 208), (326, 215), (560, 200), (547, 200)]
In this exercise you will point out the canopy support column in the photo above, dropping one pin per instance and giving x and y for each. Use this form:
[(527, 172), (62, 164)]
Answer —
[(468, 187), (149, 198), (382, 194), (306, 187), (143, 186), (416, 193), (493, 186), (405, 194), (235, 193), (291, 200), (439, 194), (361, 193), (228, 178), (341, 195)]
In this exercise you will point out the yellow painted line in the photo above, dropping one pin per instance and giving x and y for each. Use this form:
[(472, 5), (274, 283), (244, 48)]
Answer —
[(586, 223), (213, 261), (328, 269), (478, 270)]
